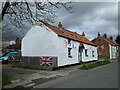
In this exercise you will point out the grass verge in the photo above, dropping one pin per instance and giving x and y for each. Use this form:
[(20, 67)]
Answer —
[(95, 64), (5, 80)]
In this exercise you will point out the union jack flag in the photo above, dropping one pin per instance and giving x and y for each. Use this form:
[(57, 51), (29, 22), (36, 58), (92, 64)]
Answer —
[(45, 61)]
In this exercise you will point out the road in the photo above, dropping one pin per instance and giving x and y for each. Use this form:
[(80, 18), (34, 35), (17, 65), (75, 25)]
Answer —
[(102, 77)]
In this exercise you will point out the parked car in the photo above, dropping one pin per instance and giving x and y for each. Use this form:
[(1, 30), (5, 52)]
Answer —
[(4, 58)]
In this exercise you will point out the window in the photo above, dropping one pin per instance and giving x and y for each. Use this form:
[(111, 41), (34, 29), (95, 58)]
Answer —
[(93, 54), (102, 46), (97, 47), (100, 53), (69, 53), (86, 52)]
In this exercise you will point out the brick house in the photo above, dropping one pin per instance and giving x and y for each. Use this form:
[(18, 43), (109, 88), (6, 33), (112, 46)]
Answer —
[(107, 48)]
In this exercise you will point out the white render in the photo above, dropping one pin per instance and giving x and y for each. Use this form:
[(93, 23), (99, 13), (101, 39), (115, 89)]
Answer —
[(41, 41), (90, 57), (113, 52)]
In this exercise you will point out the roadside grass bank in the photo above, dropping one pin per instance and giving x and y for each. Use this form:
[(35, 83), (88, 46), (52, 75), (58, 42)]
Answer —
[(94, 64), (5, 80)]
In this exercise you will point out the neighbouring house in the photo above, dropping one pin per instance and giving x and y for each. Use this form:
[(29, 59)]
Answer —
[(15, 45), (107, 48), (119, 51), (57, 45), (5, 42)]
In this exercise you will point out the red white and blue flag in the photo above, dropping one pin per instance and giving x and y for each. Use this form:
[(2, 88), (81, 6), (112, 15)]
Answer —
[(45, 61)]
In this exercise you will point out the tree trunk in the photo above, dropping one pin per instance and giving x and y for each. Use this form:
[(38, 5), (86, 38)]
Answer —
[(7, 4)]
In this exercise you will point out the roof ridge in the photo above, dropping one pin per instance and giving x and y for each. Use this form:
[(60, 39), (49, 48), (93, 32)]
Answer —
[(63, 28)]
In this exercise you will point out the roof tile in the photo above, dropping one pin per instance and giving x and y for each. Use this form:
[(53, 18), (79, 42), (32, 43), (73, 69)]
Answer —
[(68, 34)]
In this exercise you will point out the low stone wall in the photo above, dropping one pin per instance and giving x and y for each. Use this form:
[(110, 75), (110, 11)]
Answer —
[(40, 62)]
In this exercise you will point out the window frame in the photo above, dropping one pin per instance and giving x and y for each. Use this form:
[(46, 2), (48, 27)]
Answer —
[(69, 52), (86, 52), (103, 46), (93, 53)]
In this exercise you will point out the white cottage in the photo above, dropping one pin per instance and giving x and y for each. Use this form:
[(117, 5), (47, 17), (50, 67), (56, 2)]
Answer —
[(50, 41)]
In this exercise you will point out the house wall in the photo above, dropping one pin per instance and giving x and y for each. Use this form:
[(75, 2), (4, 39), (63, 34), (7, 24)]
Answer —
[(103, 53), (40, 41), (113, 52), (63, 58), (110, 50), (89, 53)]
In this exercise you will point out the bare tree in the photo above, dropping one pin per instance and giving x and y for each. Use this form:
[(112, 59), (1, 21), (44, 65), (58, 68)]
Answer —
[(21, 12)]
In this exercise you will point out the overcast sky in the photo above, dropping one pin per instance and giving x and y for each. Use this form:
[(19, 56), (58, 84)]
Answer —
[(88, 17), (91, 18)]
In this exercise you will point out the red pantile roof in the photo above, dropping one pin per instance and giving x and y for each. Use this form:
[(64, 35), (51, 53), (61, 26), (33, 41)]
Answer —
[(110, 41), (113, 42), (68, 34)]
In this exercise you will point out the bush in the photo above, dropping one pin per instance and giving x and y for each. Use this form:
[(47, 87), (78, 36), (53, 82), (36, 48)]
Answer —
[(95, 64)]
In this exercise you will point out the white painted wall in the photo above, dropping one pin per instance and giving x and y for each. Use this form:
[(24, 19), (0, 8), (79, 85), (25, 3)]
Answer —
[(12, 42), (63, 58), (90, 57), (40, 41), (110, 50), (113, 52)]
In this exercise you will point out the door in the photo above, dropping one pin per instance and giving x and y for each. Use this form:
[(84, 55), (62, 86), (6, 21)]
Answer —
[(80, 55)]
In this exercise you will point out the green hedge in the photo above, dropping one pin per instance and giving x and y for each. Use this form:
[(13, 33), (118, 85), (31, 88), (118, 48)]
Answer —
[(95, 64)]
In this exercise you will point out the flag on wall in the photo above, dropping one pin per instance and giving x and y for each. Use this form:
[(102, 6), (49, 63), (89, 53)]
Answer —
[(45, 61)]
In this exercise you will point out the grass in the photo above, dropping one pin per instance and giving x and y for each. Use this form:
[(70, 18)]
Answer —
[(95, 64), (5, 80)]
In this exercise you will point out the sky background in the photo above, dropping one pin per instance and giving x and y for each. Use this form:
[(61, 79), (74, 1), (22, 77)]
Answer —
[(88, 17)]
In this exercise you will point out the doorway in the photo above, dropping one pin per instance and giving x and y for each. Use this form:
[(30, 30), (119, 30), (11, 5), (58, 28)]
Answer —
[(80, 56)]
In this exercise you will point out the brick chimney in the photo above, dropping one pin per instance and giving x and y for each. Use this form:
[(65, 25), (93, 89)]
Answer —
[(98, 34), (60, 25), (105, 35), (111, 37), (83, 34)]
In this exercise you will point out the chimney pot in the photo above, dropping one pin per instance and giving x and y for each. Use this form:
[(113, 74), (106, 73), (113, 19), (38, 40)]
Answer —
[(60, 25), (111, 37), (105, 35), (98, 34), (83, 34)]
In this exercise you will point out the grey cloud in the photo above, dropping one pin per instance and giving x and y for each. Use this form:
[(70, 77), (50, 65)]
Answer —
[(96, 16), (90, 17)]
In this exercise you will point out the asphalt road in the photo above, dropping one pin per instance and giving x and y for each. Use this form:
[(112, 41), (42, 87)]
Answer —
[(102, 77)]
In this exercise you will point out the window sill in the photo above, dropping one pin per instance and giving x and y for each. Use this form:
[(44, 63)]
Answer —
[(70, 56)]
